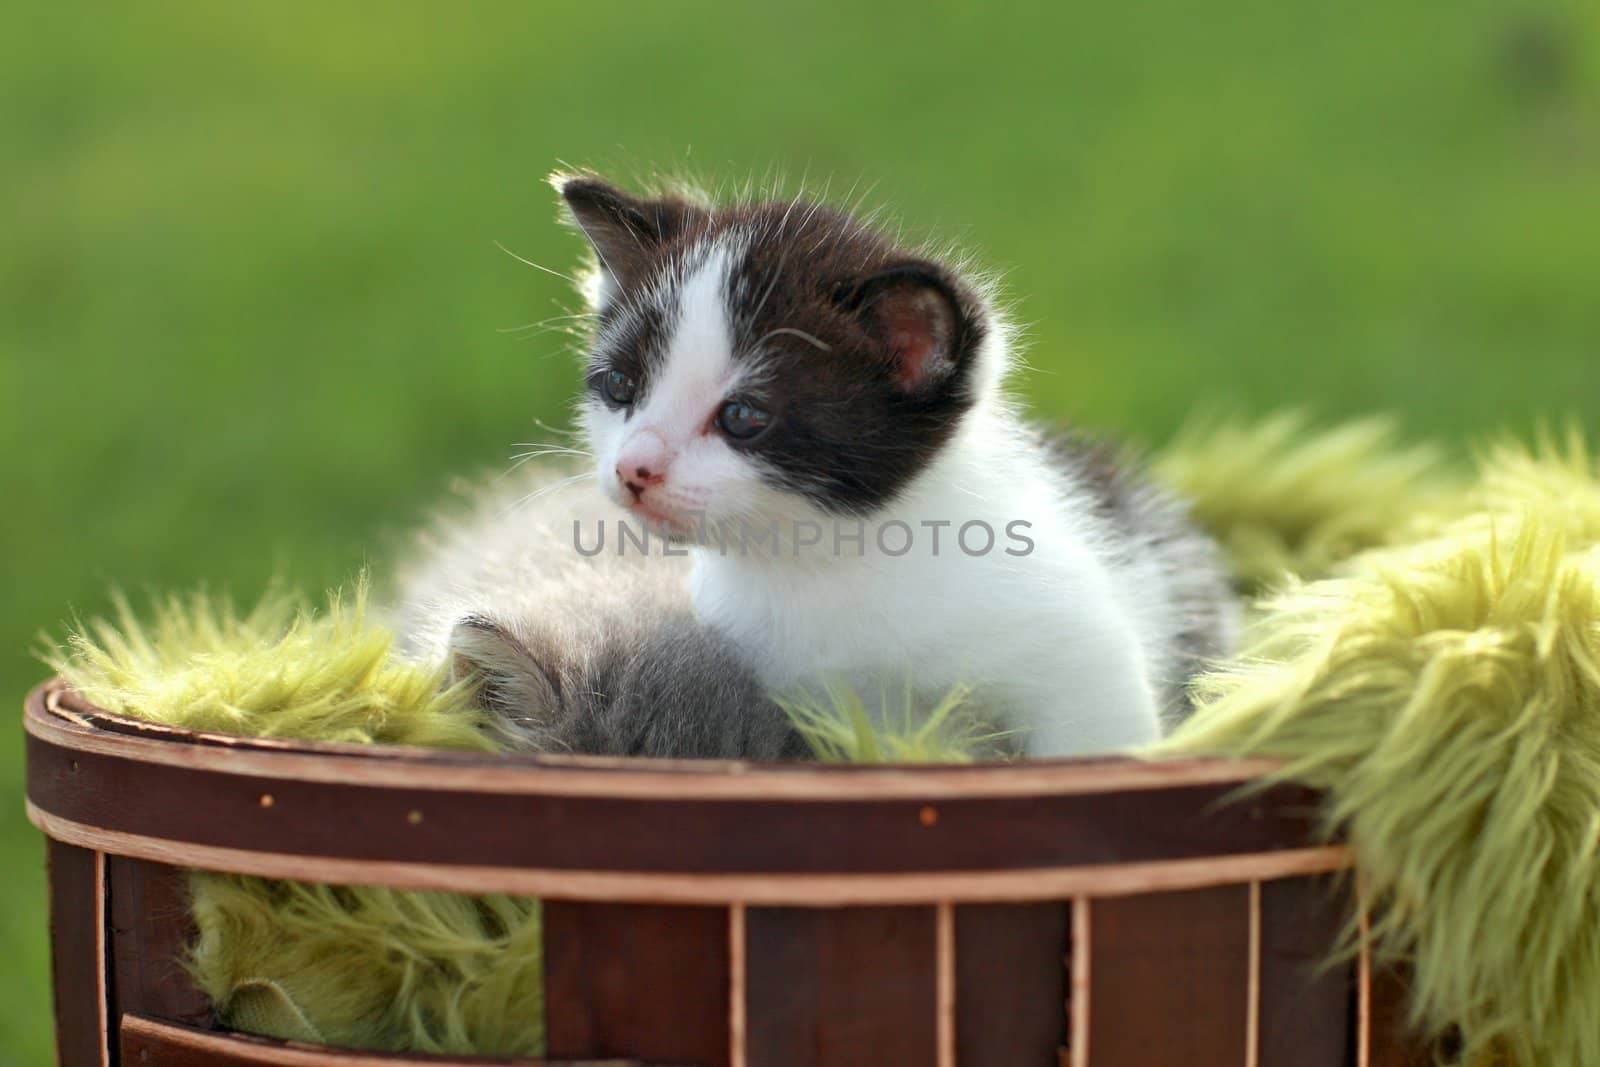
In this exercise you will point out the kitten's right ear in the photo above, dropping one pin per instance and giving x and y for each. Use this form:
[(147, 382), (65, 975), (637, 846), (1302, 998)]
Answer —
[(927, 321), (509, 681), (628, 233)]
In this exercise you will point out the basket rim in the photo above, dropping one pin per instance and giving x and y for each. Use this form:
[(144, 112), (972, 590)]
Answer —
[(690, 833), (53, 712)]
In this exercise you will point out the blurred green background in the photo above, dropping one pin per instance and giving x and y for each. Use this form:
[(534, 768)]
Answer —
[(252, 313)]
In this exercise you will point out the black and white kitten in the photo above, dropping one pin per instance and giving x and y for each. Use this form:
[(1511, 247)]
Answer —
[(597, 654), (822, 414)]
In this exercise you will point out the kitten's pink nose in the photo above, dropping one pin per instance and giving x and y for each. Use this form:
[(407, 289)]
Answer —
[(642, 461)]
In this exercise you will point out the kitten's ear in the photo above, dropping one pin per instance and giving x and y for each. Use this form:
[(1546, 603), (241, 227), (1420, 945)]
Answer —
[(925, 319), (510, 682), (627, 232)]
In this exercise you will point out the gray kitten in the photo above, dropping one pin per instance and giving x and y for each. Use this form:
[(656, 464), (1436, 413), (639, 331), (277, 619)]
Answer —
[(581, 653)]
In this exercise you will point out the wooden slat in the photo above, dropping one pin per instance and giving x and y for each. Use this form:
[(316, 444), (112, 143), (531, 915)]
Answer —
[(1306, 1015), (1079, 950), (1011, 984), (1169, 978), (1394, 1044), (163, 1044), (151, 929), (77, 956), (640, 981), (841, 987), (738, 1055), (846, 986), (1252, 1024), (945, 983)]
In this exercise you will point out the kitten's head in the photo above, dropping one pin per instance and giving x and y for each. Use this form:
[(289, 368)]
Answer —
[(621, 687), (769, 361)]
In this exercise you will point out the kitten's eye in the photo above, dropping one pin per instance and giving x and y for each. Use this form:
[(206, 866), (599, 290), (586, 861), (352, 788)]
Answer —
[(619, 388), (742, 420)]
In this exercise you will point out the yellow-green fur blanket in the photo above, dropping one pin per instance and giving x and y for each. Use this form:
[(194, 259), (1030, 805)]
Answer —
[(1425, 647)]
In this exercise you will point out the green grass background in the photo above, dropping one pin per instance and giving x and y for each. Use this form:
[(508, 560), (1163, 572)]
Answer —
[(251, 304)]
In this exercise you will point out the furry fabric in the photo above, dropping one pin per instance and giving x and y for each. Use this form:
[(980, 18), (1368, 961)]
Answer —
[(278, 670), (1285, 498), (1446, 694), (837, 725), (371, 968), (355, 967), (1429, 655), (363, 967)]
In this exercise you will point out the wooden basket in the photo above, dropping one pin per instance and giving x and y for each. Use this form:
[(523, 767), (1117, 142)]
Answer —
[(1073, 912)]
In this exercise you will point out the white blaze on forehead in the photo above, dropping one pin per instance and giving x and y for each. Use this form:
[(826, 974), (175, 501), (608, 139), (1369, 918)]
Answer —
[(697, 369)]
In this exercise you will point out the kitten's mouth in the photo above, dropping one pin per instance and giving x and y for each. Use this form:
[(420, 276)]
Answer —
[(661, 521)]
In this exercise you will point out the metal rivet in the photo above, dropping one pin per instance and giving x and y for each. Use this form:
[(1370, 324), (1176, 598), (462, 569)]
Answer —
[(266, 800), (928, 816), (413, 817)]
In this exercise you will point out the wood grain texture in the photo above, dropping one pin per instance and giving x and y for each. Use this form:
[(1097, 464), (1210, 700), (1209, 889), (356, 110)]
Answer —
[(1011, 984), (1252, 1025), (1079, 975), (210, 807), (77, 960), (640, 981), (717, 833), (164, 1044), (945, 983), (841, 987), (1168, 979), (151, 929), (1394, 1044), (723, 887), (1306, 1007), (54, 713)]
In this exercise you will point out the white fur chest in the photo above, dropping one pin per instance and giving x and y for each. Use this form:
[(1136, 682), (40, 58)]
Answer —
[(1036, 624)]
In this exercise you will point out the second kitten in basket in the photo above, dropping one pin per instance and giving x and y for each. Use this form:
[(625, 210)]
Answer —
[(593, 654)]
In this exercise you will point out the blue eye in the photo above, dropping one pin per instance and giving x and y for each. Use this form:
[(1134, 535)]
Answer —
[(742, 420), (619, 388)]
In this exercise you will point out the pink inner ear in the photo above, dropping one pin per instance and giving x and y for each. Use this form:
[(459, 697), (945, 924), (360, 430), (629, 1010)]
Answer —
[(913, 320)]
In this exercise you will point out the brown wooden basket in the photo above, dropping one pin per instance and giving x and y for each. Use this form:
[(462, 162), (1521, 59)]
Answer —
[(1074, 912)]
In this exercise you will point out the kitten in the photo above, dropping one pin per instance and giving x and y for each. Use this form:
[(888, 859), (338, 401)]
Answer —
[(570, 652), (821, 413)]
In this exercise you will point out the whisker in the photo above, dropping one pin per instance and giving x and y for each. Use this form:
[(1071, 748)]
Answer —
[(524, 501), (533, 333), (549, 450), (792, 332), (518, 463), (525, 457), (558, 431), (544, 322), (540, 450), (777, 273), (536, 266)]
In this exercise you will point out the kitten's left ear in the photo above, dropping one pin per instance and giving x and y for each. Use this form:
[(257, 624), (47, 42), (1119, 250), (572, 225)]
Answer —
[(927, 321), (509, 682), (627, 232)]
